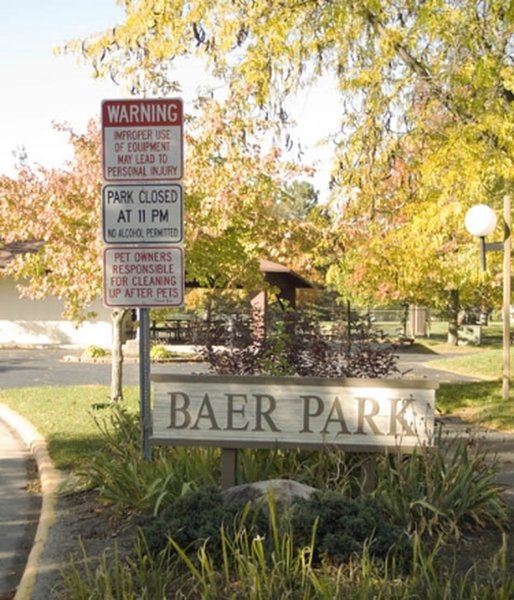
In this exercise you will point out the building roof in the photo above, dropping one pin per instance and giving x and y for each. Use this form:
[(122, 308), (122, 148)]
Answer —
[(278, 275), (9, 251)]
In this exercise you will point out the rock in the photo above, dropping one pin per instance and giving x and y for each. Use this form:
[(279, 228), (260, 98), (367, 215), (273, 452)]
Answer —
[(284, 491)]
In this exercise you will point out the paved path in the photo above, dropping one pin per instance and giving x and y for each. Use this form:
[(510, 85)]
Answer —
[(39, 367), (19, 511), (417, 365)]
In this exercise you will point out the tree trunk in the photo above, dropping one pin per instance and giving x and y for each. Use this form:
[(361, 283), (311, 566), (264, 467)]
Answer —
[(349, 326), (117, 355), (453, 319), (405, 318)]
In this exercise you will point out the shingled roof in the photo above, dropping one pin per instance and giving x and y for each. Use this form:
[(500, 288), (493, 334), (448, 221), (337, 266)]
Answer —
[(276, 274)]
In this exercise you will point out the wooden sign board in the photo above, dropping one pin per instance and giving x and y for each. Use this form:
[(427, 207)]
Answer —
[(358, 415)]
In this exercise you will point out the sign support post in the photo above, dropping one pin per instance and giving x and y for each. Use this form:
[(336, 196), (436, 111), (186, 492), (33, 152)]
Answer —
[(144, 382), (228, 468)]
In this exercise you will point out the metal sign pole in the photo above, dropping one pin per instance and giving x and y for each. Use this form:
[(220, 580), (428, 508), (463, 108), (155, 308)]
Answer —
[(144, 382), (507, 248)]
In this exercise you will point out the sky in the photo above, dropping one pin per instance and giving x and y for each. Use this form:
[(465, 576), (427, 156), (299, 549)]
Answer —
[(40, 87)]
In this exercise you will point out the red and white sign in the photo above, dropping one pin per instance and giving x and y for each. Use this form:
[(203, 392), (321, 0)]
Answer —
[(142, 139), (143, 276)]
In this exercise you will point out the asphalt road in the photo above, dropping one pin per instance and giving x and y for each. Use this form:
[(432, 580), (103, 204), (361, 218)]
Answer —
[(51, 367)]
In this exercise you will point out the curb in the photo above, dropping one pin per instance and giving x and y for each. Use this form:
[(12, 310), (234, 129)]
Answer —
[(50, 479)]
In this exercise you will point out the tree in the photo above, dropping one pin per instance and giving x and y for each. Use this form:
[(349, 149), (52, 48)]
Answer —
[(429, 82), (230, 192), (418, 256), (61, 208), (235, 184)]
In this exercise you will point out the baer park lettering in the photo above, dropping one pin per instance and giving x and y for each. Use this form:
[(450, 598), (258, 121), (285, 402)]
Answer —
[(183, 415), (286, 412)]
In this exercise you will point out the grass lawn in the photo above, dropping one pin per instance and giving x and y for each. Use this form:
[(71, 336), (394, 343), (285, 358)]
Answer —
[(65, 416), (477, 402), (485, 363)]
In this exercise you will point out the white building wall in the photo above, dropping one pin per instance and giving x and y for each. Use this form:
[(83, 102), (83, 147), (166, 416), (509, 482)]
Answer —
[(25, 322)]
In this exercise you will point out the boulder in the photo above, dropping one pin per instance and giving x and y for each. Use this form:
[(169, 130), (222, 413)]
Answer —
[(284, 492)]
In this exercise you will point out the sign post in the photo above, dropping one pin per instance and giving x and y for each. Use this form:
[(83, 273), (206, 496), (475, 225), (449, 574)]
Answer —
[(144, 383), (142, 218)]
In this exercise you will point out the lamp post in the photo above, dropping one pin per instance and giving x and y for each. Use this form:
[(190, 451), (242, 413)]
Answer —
[(481, 221)]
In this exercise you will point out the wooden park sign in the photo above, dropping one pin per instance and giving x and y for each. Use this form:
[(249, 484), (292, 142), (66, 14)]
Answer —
[(356, 415)]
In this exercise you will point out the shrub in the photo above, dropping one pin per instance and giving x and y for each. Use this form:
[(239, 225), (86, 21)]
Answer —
[(124, 479), (196, 519), (160, 352), (191, 519), (294, 343), (344, 527), (93, 352), (440, 491)]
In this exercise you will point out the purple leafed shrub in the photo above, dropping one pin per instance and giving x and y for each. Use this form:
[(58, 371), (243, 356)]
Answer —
[(295, 343)]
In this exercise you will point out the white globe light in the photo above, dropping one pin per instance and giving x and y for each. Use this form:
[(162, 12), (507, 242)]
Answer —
[(480, 220)]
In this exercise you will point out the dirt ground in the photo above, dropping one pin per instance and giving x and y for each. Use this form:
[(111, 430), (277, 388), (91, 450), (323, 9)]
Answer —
[(83, 527)]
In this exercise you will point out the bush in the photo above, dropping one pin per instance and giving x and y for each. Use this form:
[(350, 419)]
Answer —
[(191, 520), (344, 527), (294, 343), (93, 352), (160, 352), (124, 479), (197, 520), (441, 491)]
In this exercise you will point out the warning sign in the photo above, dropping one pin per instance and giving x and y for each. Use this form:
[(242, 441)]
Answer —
[(142, 139), (147, 213), (143, 276)]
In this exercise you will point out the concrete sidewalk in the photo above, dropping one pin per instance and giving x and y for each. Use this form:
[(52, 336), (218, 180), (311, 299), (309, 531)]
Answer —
[(19, 510), (25, 518)]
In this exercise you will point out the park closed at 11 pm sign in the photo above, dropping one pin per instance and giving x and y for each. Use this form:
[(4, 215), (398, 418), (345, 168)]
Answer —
[(146, 213)]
